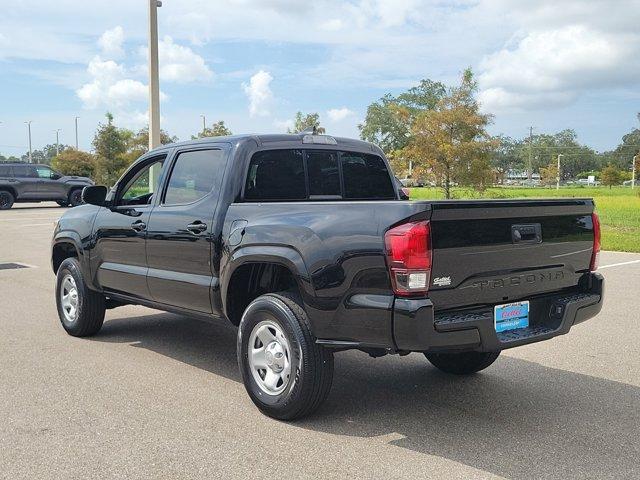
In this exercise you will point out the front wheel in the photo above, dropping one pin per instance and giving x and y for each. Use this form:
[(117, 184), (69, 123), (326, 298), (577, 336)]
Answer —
[(80, 309), (75, 197), (462, 363), (62, 204), (286, 374)]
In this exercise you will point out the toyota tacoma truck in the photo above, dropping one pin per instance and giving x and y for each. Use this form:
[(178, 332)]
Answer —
[(303, 243), (25, 182)]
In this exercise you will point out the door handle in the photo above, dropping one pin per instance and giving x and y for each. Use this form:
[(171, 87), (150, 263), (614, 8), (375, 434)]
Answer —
[(139, 226), (197, 227)]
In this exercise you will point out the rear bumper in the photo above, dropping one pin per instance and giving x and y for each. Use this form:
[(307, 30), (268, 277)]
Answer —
[(416, 327)]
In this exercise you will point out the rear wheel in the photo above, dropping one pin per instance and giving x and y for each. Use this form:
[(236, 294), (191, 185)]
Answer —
[(6, 200), (286, 374), (80, 309), (462, 363), (75, 197), (62, 204)]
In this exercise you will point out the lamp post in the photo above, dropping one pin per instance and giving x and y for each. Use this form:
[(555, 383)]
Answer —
[(57, 141), (28, 122), (560, 155), (76, 120), (204, 124), (633, 172), (154, 90)]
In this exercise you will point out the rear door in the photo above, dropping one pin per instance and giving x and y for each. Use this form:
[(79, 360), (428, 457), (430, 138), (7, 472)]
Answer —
[(27, 182), (489, 252), (180, 239)]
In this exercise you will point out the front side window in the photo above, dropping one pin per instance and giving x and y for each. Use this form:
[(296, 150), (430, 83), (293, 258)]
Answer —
[(141, 187), (5, 171), (46, 172), (276, 175), (366, 177), (194, 175)]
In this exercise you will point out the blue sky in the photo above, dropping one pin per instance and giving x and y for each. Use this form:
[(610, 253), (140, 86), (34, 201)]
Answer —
[(550, 64)]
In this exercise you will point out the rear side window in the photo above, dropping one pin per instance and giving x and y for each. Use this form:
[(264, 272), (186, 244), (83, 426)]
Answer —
[(24, 171), (194, 175), (366, 177), (5, 171), (276, 175)]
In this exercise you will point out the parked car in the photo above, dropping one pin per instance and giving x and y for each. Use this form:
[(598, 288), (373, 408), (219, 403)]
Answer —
[(403, 192), (627, 183), (259, 231), (25, 182)]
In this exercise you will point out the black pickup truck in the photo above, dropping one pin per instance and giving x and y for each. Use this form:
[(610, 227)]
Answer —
[(303, 243), (25, 182)]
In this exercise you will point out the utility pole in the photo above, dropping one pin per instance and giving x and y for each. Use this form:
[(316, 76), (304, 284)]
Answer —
[(154, 81), (57, 141), (633, 172), (204, 124), (530, 164), (28, 122), (76, 119), (560, 155)]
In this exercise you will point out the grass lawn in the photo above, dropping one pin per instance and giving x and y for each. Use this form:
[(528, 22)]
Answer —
[(618, 207)]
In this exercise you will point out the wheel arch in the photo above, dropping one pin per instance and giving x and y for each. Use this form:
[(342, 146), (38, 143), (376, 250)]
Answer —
[(69, 245), (255, 271)]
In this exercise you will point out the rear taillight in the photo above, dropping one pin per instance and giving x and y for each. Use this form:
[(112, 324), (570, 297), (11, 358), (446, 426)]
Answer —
[(408, 249), (595, 256)]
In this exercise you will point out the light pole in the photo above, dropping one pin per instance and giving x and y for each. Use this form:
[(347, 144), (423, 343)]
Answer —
[(560, 155), (28, 122), (633, 172), (154, 81), (76, 120), (204, 124), (57, 141)]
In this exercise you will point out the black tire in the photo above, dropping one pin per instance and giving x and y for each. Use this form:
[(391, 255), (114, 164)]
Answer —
[(463, 363), (311, 364), (75, 197), (62, 204), (90, 305), (6, 200)]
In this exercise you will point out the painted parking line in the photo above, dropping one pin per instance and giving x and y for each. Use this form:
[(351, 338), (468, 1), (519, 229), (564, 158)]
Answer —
[(619, 264)]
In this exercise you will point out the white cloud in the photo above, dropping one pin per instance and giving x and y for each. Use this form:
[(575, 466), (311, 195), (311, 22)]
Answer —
[(338, 114), (181, 64), (283, 125), (554, 66), (109, 88), (111, 42), (259, 92)]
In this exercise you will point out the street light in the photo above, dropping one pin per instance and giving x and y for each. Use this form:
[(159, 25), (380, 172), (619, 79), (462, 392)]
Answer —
[(560, 155), (28, 122), (154, 81), (57, 141), (76, 120), (204, 124), (633, 172)]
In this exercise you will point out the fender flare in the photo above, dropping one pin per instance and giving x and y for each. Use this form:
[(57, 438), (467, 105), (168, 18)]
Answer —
[(277, 254), (74, 239)]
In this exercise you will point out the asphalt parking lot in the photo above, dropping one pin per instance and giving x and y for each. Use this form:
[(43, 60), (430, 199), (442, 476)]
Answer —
[(156, 395)]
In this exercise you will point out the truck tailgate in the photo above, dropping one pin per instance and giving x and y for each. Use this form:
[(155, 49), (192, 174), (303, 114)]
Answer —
[(488, 252)]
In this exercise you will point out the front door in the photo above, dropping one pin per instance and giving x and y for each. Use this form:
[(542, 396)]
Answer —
[(48, 186), (120, 231), (180, 234), (27, 182)]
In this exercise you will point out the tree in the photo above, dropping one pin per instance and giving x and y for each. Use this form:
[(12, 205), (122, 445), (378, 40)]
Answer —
[(450, 142), (611, 176), (138, 143), (46, 154), (110, 145), (506, 156), (307, 121), (218, 129), (75, 162), (389, 121), (549, 174)]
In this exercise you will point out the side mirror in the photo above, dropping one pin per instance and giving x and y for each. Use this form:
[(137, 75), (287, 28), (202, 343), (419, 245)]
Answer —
[(94, 195)]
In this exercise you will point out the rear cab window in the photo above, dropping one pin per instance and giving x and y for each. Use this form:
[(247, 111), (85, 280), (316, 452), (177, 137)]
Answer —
[(322, 174)]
